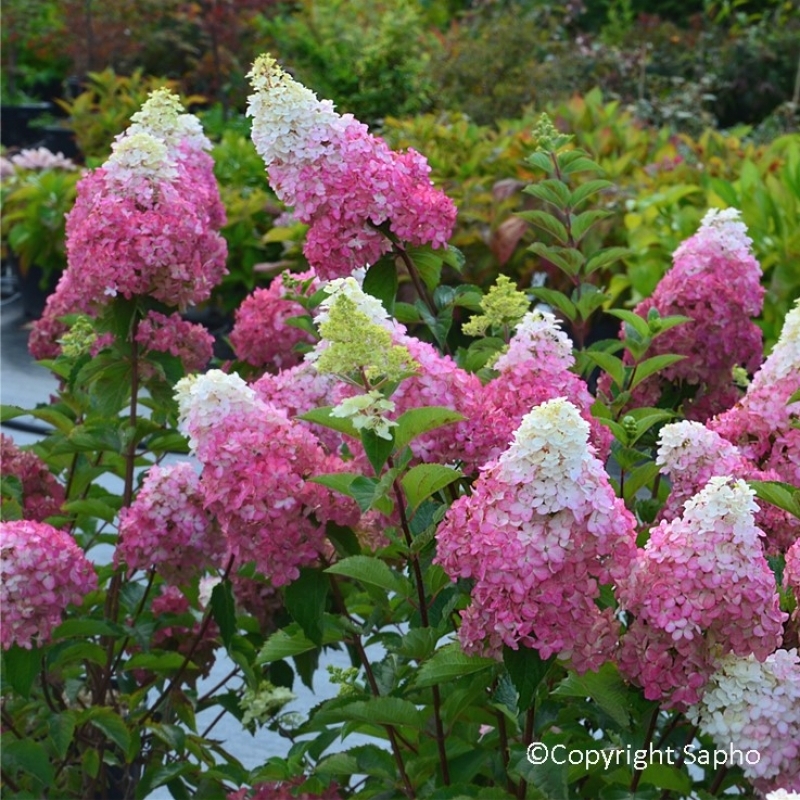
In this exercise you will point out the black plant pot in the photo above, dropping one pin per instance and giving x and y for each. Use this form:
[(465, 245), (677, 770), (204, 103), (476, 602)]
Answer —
[(15, 124)]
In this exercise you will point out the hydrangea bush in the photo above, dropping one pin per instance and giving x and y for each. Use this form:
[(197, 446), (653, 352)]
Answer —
[(560, 568)]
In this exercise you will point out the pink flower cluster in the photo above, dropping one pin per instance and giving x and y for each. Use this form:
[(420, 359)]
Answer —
[(341, 179), (146, 223), (42, 571), (761, 423), (284, 790), (540, 534), (690, 455), (256, 462), (756, 706), (172, 334), (167, 527), (716, 281), (42, 494), (701, 588), (535, 368), (260, 335)]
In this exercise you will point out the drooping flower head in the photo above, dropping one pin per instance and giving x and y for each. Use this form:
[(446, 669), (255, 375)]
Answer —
[(540, 534), (716, 281), (339, 178), (167, 527), (761, 423), (754, 705), (42, 571), (702, 588)]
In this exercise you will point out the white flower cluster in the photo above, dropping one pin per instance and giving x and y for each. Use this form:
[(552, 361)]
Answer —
[(140, 155), (289, 123), (753, 706), (538, 334), (205, 399), (261, 704), (784, 360), (551, 443), (162, 115), (726, 228), (368, 305)]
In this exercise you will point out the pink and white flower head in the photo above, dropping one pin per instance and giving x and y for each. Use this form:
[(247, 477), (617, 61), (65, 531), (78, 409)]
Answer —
[(42, 571), (339, 178), (690, 454), (256, 465), (540, 534), (761, 423), (261, 335), (42, 494), (188, 341), (750, 704), (167, 527), (701, 589), (535, 368), (716, 281)]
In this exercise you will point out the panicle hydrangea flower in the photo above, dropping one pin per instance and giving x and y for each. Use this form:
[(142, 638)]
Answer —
[(42, 571), (749, 705), (167, 527), (284, 790), (782, 794), (535, 368), (256, 465), (702, 588), (760, 424), (369, 412), (791, 583), (42, 494), (690, 454), (172, 334), (716, 281), (41, 158), (539, 535), (260, 335), (339, 178)]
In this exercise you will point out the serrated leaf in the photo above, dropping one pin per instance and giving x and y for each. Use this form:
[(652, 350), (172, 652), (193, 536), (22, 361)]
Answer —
[(610, 364), (377, 448), (582, 222), (648, 367), (31, 758), (105, 509), (591, 298), (322, 416), (21, 668), (417, 421), (557, 300), (373, 571), (428, 264), (638, 477), (454, 258), (605, 687), (782, 495), (423, 480), (449, 663), (109, 722), (223, 609), (291, 641), (84, 628), (551, 190), (639, 324), (546, 222), (567, 259), (156, 662), (604, 258), (580, 164), (381, 282), (542, 161), (338, 481), (305, 600), (587, 189), (527, 670), (60, 729), (392, 711)]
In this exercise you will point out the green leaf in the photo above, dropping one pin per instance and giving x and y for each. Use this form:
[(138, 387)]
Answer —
[(422, 481), (604, 258), (223, 609), (567, 259), (428, 264), (546, 222), (450, 663), (794, 398), (338, 481), (109, 722), (156, 661), (105, 509), (587, 189), (60, 729), (417, 421), (322, 416), (29, 757), (526, 670), (109, 390), (581, 223), (377, 448), (305, 600), (453, 257), (610, 364), (551, 190), (591, 298), (646, 368), (639, 324), (84, 628), (667, 778), (557, 300), (21, 668), (381, 282), (373, 571), (542, 161), (782, 495), (638, 477), (392, 711), (580, 164), (606, 688)]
